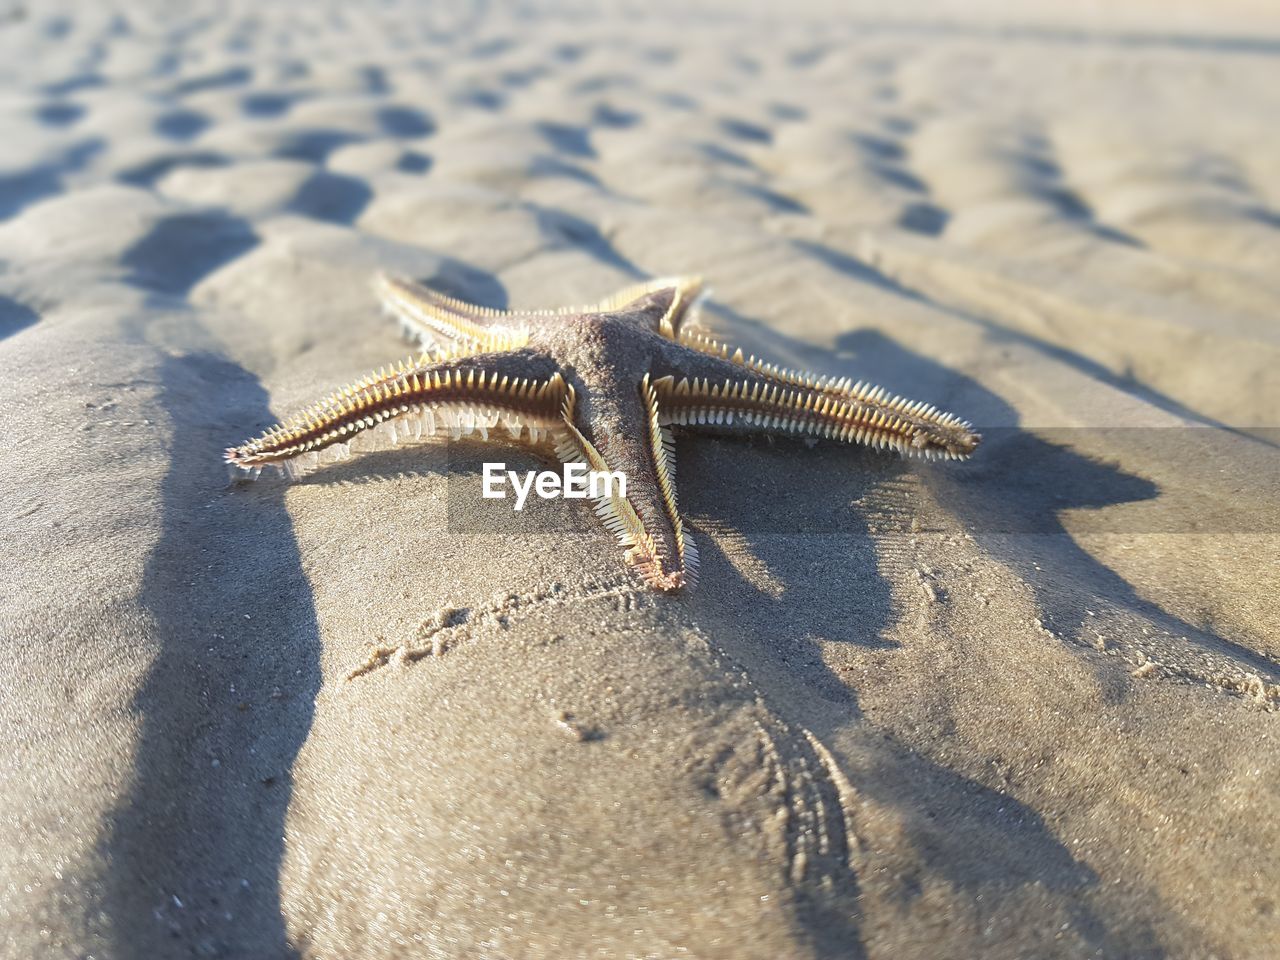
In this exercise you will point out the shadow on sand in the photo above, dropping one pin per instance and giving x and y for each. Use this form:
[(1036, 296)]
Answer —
[(764, 620), (229, 700), (196, 849), (1010, 500), (15, 316)]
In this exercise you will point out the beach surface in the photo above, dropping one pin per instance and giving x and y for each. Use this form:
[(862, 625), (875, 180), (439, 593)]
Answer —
[(1023, 706)]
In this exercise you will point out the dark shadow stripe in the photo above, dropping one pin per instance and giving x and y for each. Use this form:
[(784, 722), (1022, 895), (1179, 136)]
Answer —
[(15, 316), (195, 850), (180, 250)]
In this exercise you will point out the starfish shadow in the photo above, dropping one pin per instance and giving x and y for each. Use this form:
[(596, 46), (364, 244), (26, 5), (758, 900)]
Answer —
[(805, 558), (814, 576), (195, 848), (461, 463), (1011, 497)]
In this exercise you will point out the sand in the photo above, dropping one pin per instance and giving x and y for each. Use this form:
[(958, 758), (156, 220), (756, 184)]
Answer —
[(1020, 707)]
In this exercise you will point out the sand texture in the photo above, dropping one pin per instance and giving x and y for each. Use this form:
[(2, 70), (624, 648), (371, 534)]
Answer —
[(1019, 707)]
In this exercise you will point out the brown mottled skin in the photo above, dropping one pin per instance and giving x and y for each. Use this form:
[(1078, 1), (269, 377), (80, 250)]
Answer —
[(616, 363)]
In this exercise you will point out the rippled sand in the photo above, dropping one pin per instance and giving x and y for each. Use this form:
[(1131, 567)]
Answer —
[(1023, 706)]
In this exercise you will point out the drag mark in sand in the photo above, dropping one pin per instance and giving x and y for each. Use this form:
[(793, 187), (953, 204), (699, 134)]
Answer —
[(452, 625), (779, 781)]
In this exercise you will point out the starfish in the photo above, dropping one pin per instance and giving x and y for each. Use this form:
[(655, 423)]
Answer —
[(600, 386)]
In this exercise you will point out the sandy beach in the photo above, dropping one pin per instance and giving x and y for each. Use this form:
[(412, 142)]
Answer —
[(1023, 706)]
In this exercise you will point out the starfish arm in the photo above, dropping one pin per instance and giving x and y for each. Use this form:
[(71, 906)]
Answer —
[(519, 390), (644, 518), (701, 389), (776, 373), (428, 316), (842, 388), (686, 292)]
